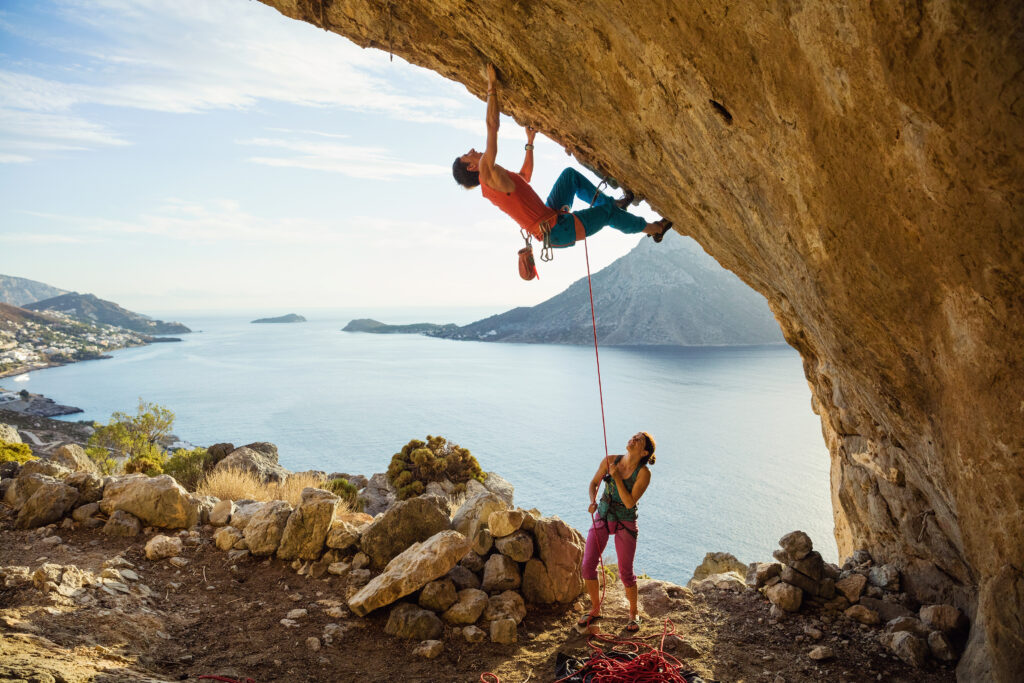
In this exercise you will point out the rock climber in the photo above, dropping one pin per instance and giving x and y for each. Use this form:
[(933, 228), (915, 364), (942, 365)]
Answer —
[(626, 478), (511, 192)]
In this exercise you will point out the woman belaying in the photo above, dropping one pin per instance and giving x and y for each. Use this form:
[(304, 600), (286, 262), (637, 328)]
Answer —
[(626, 478), (511, 192)]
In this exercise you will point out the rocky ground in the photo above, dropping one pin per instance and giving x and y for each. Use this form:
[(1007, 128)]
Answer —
[(42, 434), (154, 621)]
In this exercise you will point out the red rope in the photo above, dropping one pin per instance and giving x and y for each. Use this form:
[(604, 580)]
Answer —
[(597, 357)]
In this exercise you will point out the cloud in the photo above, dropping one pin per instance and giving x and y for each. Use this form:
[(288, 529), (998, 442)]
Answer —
[(41, 238), (195, 57), (358, 162)]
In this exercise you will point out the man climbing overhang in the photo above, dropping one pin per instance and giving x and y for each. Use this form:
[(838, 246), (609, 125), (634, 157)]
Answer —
[(551, 222)]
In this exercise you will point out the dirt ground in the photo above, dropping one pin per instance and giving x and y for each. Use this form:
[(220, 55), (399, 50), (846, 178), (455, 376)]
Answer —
[(212, 617)]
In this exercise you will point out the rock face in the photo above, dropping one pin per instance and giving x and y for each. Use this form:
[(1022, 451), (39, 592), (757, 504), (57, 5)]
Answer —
[(860, 166), (307, 527), (260, 462)]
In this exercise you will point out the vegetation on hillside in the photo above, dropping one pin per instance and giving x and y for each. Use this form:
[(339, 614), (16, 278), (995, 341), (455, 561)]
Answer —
[(16, 452), (436, 459)]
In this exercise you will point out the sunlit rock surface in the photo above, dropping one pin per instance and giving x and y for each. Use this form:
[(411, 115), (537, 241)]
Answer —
[(860, 166)]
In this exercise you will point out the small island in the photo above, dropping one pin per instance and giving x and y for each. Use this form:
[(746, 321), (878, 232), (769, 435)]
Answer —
[(290, 318), (376, 327)]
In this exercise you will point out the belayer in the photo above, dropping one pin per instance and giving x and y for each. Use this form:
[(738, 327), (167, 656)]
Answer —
[(511, 192)]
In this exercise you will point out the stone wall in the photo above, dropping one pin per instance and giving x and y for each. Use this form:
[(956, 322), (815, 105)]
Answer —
[(858, 164)]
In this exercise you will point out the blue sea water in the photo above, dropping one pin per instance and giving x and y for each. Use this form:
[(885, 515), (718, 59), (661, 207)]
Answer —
[(740, 456)]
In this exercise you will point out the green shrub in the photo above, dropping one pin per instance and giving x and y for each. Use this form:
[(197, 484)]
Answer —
[(347, 491), (189, 467), (101, 456), (135, 438), (436, 459), (16, 452)]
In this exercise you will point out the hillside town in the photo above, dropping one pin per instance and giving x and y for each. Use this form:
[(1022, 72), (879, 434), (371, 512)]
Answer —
[(30, 341)]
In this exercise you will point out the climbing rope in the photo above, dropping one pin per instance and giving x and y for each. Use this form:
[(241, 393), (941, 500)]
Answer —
[(593, 320), (624, 661)]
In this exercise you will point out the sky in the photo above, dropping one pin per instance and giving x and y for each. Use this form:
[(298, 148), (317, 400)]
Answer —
[(216, 155)]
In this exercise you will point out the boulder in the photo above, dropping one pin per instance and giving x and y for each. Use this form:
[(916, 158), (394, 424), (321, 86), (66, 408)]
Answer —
[(260, 464), (418, 565), (940, 647), (155, 501), (161, 547), (122, 523), (730, 581), (852, 586), (862, 614), (475, 512), (409, 621), (472, 634), (50, 501), (517, 546), (404, 524), (264, 448), (658, 598), (717, 563), (45, 467), (796, 544), (795, 578), (89, 485), (507, 605), (944, 618), (473, 562), (821, 653), (82, 513), (73, 457), (909, 648), (500, 487), (342, 535), (219, 451), (244, 511), (907, 624), (9, 434), (428, 649), (482, 542), (811, 566), (470, 603), (560, 548), (785, 596), (885, 576), (887, 611), (307, 526), (221, 513), (227, 537), (264, 530), (23, 487), (505, 522), (463, 578), (378, 495), (758, 573), (438, 595), (500, 573), (537, 586), (503, 631)]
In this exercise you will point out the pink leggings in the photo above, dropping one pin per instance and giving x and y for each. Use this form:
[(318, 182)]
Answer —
[(625, 549)]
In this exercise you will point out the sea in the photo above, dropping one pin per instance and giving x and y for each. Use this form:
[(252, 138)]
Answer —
[(740, 456)]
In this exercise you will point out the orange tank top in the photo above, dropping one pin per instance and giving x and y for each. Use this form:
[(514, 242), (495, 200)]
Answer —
[(522, 204)]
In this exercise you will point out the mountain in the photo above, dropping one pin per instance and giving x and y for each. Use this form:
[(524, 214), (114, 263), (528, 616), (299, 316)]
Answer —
[(19, 291), (671, 293), (290, 318), (91, 308)]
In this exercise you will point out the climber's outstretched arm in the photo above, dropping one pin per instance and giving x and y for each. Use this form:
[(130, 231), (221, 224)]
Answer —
[(491, 152)]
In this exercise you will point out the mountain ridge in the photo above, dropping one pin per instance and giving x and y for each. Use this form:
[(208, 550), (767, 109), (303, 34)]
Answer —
[(90, 307)]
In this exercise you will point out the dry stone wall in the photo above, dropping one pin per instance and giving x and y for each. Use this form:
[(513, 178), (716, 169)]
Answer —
[(860, 165)]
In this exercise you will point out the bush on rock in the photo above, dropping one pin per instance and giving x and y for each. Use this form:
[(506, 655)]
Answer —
[(347, 491), (436, 459)]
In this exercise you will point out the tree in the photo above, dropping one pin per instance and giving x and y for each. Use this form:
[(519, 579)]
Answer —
[(135, 438)]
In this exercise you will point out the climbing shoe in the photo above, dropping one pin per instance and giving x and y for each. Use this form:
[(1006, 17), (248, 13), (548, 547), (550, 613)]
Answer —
[(666, 226), (625, 200)]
